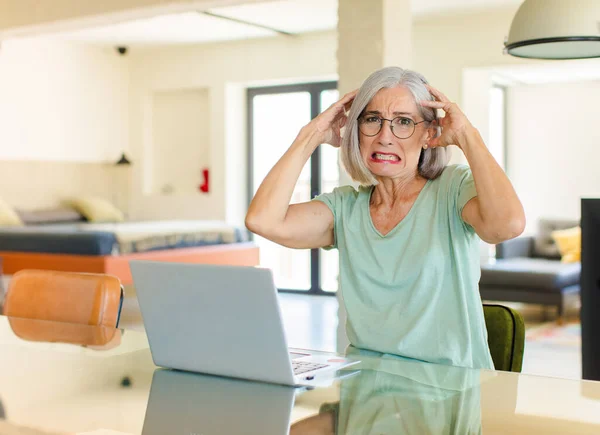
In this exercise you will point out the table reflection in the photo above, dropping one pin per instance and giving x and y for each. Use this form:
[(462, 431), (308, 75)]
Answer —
[(190, 403), (395, 396)]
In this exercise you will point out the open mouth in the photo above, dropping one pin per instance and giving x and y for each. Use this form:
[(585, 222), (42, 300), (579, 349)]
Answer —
[(385, 158)]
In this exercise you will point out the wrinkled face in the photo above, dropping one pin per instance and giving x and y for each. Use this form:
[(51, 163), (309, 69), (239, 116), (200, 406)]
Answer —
[(387, 154)]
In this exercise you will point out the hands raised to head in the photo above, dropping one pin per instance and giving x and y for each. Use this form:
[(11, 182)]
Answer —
[(453, 125), (329, 123)]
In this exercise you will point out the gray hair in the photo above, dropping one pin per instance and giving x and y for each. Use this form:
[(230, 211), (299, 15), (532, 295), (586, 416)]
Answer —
[(432, 160)]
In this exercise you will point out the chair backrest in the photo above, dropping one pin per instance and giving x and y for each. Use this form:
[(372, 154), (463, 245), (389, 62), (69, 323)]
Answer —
[(506, 337), (85, 298), (92, 336)]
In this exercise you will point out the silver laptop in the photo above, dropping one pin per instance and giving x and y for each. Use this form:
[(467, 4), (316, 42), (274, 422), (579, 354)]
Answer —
[(222, 320), (192, 403)]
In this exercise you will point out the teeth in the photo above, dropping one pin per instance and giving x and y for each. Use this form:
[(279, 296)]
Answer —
[(385, 157)]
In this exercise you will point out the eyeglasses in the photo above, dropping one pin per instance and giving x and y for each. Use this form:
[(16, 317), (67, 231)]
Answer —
[(402, 127)]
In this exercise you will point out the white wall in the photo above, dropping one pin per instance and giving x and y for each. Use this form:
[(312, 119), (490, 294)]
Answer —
[(62, 102), (35, 185), (225, 69), (181, 130), (554, 147), (64, 118)]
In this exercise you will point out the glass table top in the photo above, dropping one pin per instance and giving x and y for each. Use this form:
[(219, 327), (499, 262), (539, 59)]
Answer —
[(72, 379)]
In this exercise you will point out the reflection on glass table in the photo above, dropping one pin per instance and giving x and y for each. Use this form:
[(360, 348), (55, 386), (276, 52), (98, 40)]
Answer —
[(66, 388), (391, 395), (66, 378), (189, 403), (382, 397)]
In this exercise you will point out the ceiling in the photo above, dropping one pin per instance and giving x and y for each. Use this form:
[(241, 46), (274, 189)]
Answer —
[(290, 16)]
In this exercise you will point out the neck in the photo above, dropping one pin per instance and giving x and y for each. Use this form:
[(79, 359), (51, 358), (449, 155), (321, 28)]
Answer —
[(390, 191)]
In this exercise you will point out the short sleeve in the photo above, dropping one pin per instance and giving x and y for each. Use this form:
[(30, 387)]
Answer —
[(466, 188), (335, 200), (463, 190)]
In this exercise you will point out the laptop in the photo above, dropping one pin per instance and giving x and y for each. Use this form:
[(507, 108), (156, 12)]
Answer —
[(222, 320), (191, 403)]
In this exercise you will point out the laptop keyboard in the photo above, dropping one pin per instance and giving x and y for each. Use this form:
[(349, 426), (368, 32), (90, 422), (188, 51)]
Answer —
[(300, 367)]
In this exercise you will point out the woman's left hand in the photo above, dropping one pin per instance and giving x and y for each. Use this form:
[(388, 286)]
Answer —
[(454, 125)]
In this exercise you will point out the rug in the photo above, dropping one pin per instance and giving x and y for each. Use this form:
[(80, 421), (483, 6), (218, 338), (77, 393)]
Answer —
[(553, 333)]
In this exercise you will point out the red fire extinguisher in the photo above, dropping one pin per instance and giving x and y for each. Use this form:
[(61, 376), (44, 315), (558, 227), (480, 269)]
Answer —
[(204, 187)]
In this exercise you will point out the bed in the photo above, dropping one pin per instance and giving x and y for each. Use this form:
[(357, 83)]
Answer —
[(108, 247)]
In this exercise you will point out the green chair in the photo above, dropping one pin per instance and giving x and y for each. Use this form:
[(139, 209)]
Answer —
[(506, 337)]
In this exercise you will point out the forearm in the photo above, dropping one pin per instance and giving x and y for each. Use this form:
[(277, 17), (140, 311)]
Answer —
[(499, 206), (272, 199)]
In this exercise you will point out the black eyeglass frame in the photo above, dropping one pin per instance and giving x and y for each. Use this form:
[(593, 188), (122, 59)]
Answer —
[(391, 121)]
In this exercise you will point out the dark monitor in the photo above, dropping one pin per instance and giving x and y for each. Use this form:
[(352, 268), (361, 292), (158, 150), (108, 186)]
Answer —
[(590, 288)]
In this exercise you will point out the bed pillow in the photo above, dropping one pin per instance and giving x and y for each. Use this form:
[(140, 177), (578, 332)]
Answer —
[(8, 216), (50, 216), (96, 209)]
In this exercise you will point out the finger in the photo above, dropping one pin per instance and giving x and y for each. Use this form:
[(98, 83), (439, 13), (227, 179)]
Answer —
[(437, 93), (350, 95), (446, 106), (334, 113), (343, 103), (349, 98), (339, 115), (436, 142), (336, 140), (337, 110), (346, 98), (343, 121)]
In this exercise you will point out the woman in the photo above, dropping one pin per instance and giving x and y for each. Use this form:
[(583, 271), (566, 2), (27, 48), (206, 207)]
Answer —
[(408, 238)]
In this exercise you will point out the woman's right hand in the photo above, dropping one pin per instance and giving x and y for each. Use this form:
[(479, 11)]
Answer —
[(329, 123)]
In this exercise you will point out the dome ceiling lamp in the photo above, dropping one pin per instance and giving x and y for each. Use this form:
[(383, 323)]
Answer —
[(555, 29)]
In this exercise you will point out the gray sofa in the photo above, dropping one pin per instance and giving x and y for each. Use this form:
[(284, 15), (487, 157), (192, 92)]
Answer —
[(528, 269)]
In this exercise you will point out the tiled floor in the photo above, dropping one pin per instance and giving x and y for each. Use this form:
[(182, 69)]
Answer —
[(311, 321)]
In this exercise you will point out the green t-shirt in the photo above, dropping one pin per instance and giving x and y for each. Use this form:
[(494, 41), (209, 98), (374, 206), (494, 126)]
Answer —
[(413, 292)]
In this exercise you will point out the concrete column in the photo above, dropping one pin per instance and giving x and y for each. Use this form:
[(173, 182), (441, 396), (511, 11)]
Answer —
[(371, 35)]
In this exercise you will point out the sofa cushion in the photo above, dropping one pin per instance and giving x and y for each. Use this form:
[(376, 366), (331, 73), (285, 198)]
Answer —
[(530, 273), (569, 244), (543, 244)]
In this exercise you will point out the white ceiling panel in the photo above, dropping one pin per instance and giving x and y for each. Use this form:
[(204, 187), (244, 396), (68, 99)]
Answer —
[(297, 16), (422, 8), (189, 27), (291, 16)]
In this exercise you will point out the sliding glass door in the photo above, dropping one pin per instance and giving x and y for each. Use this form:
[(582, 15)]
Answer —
[(275, 116)]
